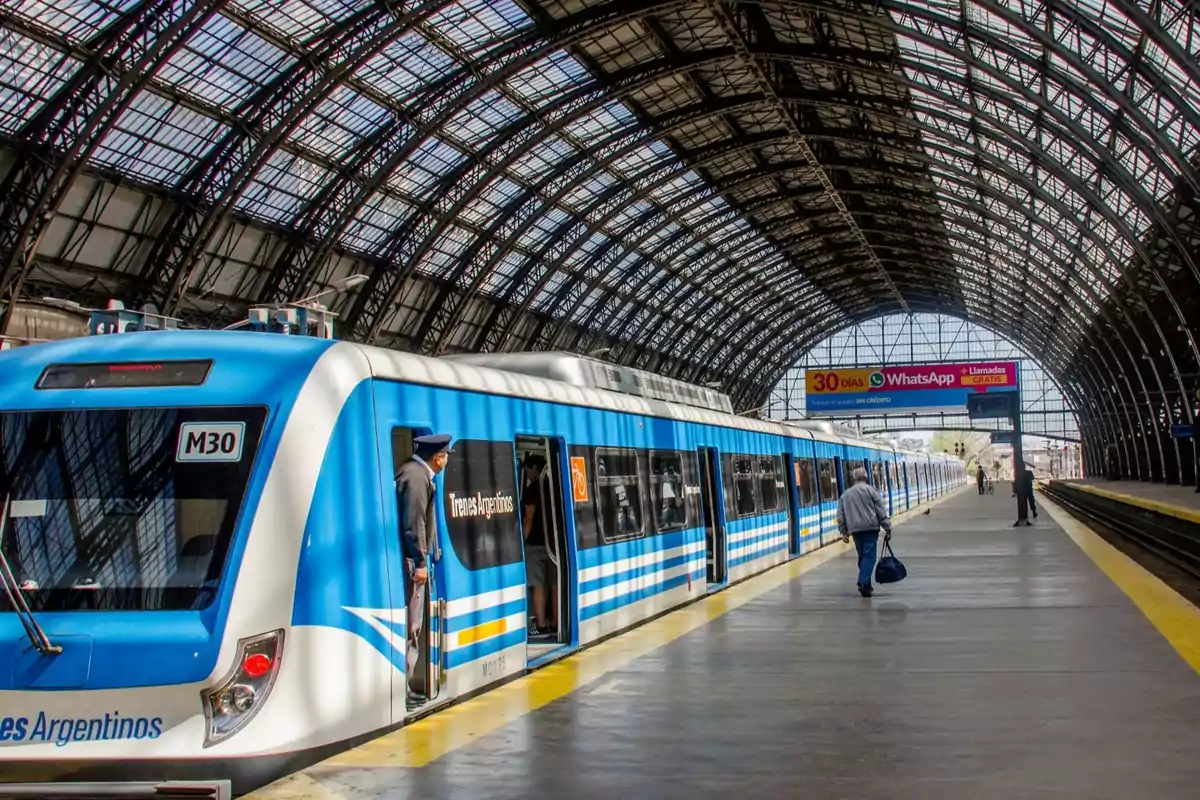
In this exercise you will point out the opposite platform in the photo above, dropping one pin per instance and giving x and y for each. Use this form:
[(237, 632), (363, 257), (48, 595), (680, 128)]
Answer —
[(1182, 502), (1007, 666)]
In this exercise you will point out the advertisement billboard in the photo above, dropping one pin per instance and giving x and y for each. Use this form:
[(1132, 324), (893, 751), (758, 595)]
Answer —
[(922, 388)]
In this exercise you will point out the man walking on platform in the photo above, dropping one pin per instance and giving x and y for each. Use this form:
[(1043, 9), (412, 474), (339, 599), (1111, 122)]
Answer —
[(979, 478), (861, 513), (418, 527)]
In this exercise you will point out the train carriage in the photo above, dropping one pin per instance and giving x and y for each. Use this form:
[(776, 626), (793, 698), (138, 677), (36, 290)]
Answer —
[(200, 535)]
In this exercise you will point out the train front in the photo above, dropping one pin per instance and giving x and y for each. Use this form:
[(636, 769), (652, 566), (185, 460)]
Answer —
[(134, 469)]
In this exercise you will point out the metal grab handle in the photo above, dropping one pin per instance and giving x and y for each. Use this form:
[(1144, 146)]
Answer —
[(552, 551), (441, 660)]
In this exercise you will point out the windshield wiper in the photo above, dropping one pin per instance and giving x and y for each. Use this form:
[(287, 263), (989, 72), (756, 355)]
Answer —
[(37, 636)]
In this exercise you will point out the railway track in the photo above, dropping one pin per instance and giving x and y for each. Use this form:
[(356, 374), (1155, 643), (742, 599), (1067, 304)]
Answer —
[(1174, 540)]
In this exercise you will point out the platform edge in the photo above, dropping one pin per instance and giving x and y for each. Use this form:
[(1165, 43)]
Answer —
[(1144, 503), (1176, 618)]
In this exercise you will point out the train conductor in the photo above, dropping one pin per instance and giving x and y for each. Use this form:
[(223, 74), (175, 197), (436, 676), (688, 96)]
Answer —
[(418, 526)]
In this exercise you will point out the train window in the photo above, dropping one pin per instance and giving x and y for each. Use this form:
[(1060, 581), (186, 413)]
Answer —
[(479, 496), (740, 498), (770, 482), (848, 467), (619, 494), (827, 480), (667, 480), (583, 492), (806, 482), (402, 446), (877, 479), (124, 509)]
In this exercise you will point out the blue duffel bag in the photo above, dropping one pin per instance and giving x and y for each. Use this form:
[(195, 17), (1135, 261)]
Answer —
[(889, 569)]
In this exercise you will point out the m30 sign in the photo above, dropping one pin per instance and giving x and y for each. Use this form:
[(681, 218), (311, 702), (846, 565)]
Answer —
[(892, 390)]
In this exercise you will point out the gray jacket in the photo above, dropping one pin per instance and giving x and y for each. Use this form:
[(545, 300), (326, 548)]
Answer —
[(418, 525), (861, 510)]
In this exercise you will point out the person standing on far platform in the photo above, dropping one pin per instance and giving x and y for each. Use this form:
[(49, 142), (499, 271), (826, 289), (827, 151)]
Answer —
[(979, 476), (1026, 488), (861, 514), (418, 527)]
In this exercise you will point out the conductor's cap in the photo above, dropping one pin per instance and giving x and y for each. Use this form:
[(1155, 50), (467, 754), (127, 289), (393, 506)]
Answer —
[(433, 444)]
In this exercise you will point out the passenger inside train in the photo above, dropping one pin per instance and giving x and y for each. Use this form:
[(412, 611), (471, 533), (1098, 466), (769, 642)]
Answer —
[(544, 531)]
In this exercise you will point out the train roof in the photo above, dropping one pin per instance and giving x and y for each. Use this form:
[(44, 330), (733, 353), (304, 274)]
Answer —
[(409, 367), (592, 373)]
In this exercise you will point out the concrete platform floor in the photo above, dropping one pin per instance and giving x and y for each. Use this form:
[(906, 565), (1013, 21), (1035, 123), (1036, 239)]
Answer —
[(1185, 499), (1008, 665)]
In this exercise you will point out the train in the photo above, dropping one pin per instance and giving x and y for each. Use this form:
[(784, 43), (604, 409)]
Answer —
[(202, 561)]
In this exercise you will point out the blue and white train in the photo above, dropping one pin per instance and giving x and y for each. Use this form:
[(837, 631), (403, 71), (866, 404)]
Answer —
[(201, 561)]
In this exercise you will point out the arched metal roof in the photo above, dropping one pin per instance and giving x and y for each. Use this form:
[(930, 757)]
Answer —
[(704, 187)]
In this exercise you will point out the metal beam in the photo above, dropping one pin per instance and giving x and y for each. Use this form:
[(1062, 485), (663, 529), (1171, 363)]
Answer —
[(57, 142)]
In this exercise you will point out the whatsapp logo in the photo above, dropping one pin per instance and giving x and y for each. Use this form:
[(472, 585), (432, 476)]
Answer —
[(876, 380)]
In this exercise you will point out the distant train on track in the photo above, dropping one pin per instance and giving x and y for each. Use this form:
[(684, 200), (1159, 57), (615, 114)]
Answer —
[(200, 535)]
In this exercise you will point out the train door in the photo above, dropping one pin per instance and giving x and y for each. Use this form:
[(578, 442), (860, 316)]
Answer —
[(548, 580), (426, 677), (710, 502), (793, 499)]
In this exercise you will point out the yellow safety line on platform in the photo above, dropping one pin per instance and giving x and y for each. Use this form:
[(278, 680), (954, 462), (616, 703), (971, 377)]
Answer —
[(1173, 615), (428, 739), (1180, 512)]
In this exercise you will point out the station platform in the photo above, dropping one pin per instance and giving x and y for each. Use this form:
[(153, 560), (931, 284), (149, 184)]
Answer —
[(1182, 502), (1012, 663)]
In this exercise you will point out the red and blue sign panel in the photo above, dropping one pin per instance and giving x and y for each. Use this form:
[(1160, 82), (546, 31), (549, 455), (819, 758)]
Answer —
[(921, 388)]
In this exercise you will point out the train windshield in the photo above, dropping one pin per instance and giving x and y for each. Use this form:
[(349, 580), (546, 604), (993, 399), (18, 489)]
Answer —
[(123, 509)]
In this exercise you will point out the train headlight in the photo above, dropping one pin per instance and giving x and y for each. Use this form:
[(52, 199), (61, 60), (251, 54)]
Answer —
[(237, 700), (229, 706)]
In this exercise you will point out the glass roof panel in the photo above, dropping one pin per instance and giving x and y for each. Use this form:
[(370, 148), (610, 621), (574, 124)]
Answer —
[(443, 257), (550, 77), (405, 66), (432, 160), (340, 122), (298, 19), (225, 64), (30, 74), (470, 24), (77, 20), (156, 140), (379, 217), (282, 188), (480, 121)]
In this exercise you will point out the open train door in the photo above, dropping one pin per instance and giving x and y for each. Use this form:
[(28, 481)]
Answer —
[(793, 509), (714, 527), (419, 688), (550, 583)]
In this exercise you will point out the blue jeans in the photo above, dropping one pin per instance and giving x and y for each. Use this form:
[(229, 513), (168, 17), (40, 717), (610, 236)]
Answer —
[(866, 543)]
